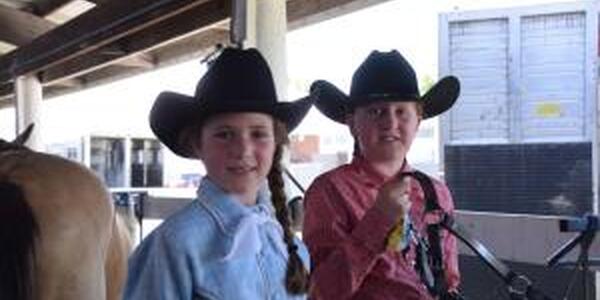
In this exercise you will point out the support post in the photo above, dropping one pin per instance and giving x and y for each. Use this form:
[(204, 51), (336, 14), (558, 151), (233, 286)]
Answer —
[(28, 104), (266, 29)]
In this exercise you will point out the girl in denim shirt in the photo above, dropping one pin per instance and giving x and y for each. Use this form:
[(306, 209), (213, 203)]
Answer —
[(234, 241)]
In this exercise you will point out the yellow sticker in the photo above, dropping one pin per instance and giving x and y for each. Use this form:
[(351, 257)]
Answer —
[(548, 110)]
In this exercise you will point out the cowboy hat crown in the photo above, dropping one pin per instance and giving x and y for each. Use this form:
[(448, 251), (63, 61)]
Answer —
[(384, 76), (236, 81)]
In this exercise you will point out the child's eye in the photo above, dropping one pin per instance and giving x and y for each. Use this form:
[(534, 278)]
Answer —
[(374, 112), (260, 134), (223, 134)]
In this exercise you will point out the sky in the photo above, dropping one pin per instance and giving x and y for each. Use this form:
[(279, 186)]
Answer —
[(328, 50)]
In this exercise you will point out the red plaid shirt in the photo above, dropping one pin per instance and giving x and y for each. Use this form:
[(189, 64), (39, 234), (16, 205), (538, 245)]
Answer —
[(346, 238)]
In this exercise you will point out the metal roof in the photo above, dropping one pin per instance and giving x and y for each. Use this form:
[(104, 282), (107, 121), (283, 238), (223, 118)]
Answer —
[(75, 44)]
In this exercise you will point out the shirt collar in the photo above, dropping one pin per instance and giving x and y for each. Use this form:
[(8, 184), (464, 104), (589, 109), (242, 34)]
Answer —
[(363, 166), (226, 208)]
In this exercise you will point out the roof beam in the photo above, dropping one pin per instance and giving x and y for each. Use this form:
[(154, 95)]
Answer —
[(70, 83), (160, 33), (20, 28), (306, 12), (97, 2), (300, 13), (46, 7), (92, 30), (140, 60), (12, 4), (190, 48), (6, 93)]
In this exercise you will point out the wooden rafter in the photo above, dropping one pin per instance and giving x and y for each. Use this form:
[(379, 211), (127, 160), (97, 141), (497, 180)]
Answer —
[(97, 2), (70, 83), (20, 28), (185, 30), (193, 47), (13, 4), (305, 12), (6, 91), (92, 30), (151, 37), (140, 60), (46, 7)]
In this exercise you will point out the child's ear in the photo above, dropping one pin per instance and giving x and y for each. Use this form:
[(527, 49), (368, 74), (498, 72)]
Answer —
[(349, 120), (190, 140), (196, 149)]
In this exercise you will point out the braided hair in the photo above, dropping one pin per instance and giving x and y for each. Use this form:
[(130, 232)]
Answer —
[(296, 277)]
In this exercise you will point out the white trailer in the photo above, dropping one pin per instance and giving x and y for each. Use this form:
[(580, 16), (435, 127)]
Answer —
[(529, 90), (520, 147)]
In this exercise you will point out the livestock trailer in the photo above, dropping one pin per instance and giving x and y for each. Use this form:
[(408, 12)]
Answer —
[(520, 148)]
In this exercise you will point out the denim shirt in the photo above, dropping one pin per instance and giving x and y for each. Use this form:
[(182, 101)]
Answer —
[(214, 248)]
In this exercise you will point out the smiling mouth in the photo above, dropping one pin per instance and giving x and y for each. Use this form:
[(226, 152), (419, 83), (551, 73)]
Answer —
[(389, 139), (241, 170)]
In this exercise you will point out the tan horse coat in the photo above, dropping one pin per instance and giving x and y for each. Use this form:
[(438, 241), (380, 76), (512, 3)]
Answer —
[(82, 246)]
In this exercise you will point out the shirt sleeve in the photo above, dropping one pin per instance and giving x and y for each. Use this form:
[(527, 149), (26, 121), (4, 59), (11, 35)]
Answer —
[(449, 243), (342, 256), (157, 270)]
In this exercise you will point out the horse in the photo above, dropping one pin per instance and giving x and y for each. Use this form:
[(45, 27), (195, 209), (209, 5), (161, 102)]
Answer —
[(60, 237)]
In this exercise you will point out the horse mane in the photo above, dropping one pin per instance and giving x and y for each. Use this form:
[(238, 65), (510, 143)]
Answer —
[(18, 244)]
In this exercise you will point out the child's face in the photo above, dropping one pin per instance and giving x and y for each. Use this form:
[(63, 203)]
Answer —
[(237, 150), (385, 130)]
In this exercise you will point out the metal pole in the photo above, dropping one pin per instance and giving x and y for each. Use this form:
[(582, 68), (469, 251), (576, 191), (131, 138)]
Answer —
[(239, 19)]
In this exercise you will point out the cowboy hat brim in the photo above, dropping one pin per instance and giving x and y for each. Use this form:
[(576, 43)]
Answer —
[(440, 97), (172, 112), (335, 104)]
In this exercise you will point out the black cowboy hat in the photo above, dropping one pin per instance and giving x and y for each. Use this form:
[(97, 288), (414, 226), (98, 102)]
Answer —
[(236, 81), (384, 76)]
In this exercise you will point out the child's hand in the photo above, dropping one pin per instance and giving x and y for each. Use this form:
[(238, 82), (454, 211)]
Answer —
[(392, 199)]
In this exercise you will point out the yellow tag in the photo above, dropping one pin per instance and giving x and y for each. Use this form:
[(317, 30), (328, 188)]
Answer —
[(548, 110), (394, 241)]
